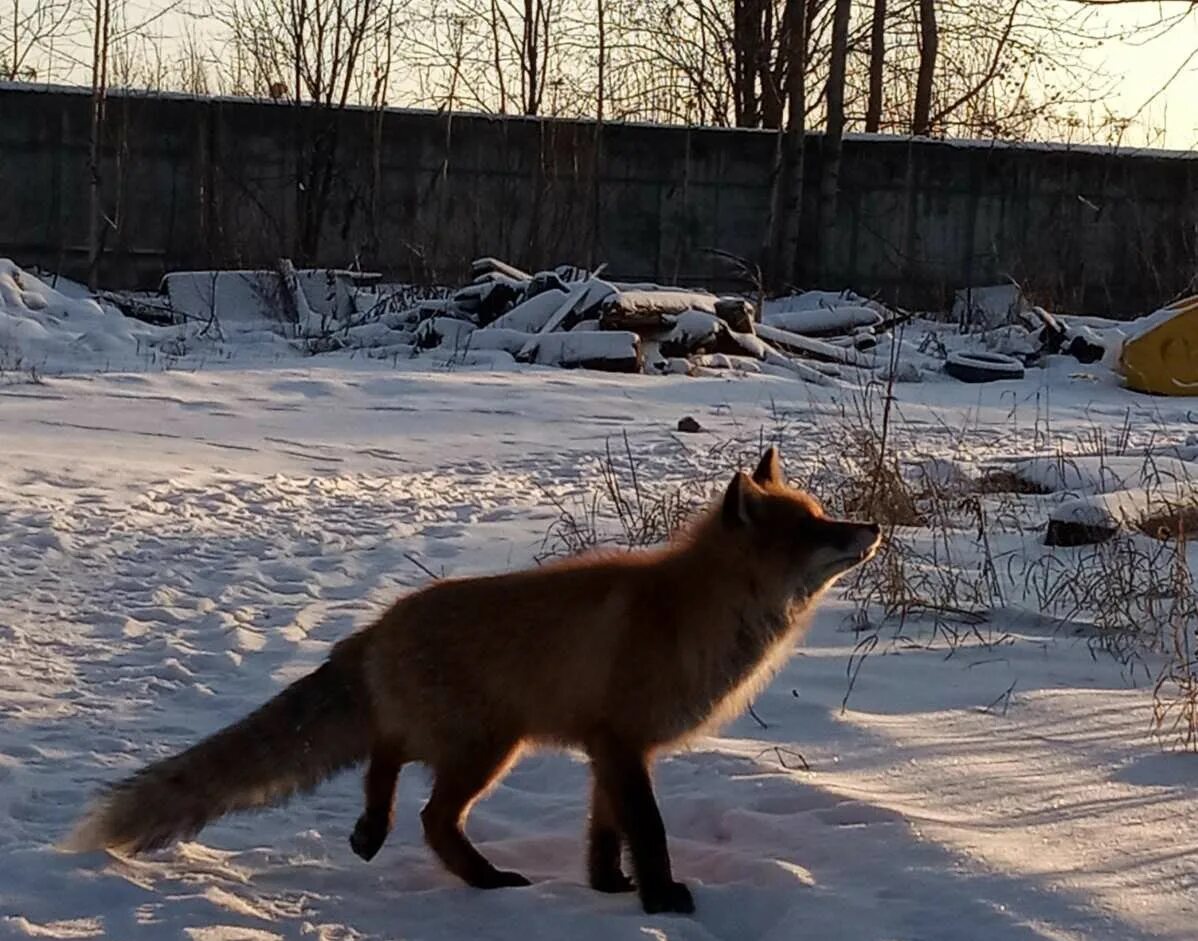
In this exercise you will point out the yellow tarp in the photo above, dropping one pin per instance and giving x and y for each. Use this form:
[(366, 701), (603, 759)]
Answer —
[(1163, 356)]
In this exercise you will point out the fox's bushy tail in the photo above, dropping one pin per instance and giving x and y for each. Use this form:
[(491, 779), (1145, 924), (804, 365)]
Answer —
[(312, 729)]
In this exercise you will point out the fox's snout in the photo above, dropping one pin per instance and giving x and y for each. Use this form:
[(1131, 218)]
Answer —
[(853, 542), (866, 538)]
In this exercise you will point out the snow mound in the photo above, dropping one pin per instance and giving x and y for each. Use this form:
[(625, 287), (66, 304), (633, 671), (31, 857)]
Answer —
[(817, 312), (1128, 508), (39, 323), (1097, 474), (1143, 325)]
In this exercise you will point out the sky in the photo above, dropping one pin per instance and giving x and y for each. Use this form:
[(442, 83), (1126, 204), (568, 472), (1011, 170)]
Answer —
[(1153, 78), (1140, 68)]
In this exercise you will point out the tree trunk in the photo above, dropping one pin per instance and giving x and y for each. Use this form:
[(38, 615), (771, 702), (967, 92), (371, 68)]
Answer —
[(772, 94), (877, 59), (786, 203), (929, 41), (597, 143), (100, 43), (530, 64), (744, 92), (834, 133)]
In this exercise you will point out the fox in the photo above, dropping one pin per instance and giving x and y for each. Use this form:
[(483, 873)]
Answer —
[(619, 655)]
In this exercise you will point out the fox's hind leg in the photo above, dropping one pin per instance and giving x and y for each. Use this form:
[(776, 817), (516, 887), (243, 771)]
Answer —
[(375, 823), (604, 844), (458, 781)]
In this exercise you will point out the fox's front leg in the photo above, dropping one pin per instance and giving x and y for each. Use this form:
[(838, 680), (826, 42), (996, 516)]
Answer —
[(375, 823), (604, 844), (622, 771)]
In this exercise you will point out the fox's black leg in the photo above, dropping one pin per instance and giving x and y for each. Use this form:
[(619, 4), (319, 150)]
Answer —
[(375, 823), (604, 843), (623, 773), (458, 781)]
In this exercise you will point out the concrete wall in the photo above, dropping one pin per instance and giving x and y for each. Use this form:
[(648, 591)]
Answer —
[(189, 183)]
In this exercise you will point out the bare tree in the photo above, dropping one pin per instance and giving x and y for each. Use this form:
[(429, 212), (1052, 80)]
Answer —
[(503, 55), (101, 44), (929, 44), (835, 122), (27, 38), (781, 250), (331, 53), (877, 63)]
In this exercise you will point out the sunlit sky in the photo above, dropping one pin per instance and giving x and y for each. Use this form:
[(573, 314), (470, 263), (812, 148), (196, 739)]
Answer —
[(1141, 68), (1136, 69)]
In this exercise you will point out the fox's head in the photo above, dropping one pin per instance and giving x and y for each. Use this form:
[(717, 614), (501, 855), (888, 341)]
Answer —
[(786, 529)]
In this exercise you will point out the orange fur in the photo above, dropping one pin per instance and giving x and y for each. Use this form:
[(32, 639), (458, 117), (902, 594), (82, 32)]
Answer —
[(618, 654)]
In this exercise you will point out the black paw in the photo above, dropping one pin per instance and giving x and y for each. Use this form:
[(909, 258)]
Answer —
[(612, 881), (670, 897), (501, 879), (368, 838)]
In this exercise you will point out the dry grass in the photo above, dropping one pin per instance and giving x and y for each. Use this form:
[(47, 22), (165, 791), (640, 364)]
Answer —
[(626, 511), (956, 553), (1170, 522), (1175, 693)]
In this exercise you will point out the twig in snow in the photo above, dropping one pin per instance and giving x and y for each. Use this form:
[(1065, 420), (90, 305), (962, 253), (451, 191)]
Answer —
[(856, 660), (1004, 698), (778, 753), (420, 565)]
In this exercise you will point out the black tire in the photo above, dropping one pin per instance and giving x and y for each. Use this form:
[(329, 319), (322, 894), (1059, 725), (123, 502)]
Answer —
[(982, 367)]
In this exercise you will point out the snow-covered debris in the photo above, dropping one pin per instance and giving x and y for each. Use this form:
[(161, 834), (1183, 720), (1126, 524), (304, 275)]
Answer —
[(633, 303), (444, 331), (817, 349), (672, 323), (258, 300), (491, 267), (613, 351), (581, 298), (799, 315), (531, 315), (990, 306), (718, 361), (39, 324), (816, 300), (1013, 340), (500, 338), (1094, 474), (693, 330), (938, 474), (1099, 516)]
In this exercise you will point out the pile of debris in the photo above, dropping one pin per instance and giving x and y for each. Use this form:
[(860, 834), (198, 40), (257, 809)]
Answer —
[(573, 318)]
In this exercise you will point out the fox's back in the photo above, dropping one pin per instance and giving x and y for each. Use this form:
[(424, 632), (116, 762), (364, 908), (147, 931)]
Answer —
[(535, 651)]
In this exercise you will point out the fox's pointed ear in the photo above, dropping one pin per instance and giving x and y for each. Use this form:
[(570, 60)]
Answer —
[(769, 468), (740, 501)]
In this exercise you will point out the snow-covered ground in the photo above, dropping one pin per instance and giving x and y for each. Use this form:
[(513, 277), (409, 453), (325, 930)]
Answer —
[(177, 545)]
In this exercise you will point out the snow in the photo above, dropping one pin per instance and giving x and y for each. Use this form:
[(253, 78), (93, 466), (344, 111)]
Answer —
[(1117, 508), (694, 326), (669, 302), (815, 312), (1103, 473), (818, 348), (177, 544), (569, 349), (532, 314), (41, 324), (1143, 325), (991, 305), (248, 300)]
